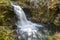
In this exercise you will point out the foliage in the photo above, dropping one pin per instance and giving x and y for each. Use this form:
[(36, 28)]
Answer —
[(6, 25), (6, 33)]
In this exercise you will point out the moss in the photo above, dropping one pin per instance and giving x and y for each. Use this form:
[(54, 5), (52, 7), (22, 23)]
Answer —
[(49, 38)]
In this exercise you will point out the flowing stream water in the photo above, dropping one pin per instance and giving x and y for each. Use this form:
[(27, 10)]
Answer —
[(26, 29)]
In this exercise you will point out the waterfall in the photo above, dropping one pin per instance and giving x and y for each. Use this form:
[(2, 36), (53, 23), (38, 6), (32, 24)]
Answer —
[(26, 29)]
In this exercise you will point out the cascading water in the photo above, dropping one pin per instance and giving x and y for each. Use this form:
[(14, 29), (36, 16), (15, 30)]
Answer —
[(27, 30)]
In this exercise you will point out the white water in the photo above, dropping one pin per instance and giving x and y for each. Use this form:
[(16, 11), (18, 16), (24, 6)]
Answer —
[(26, 30)]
